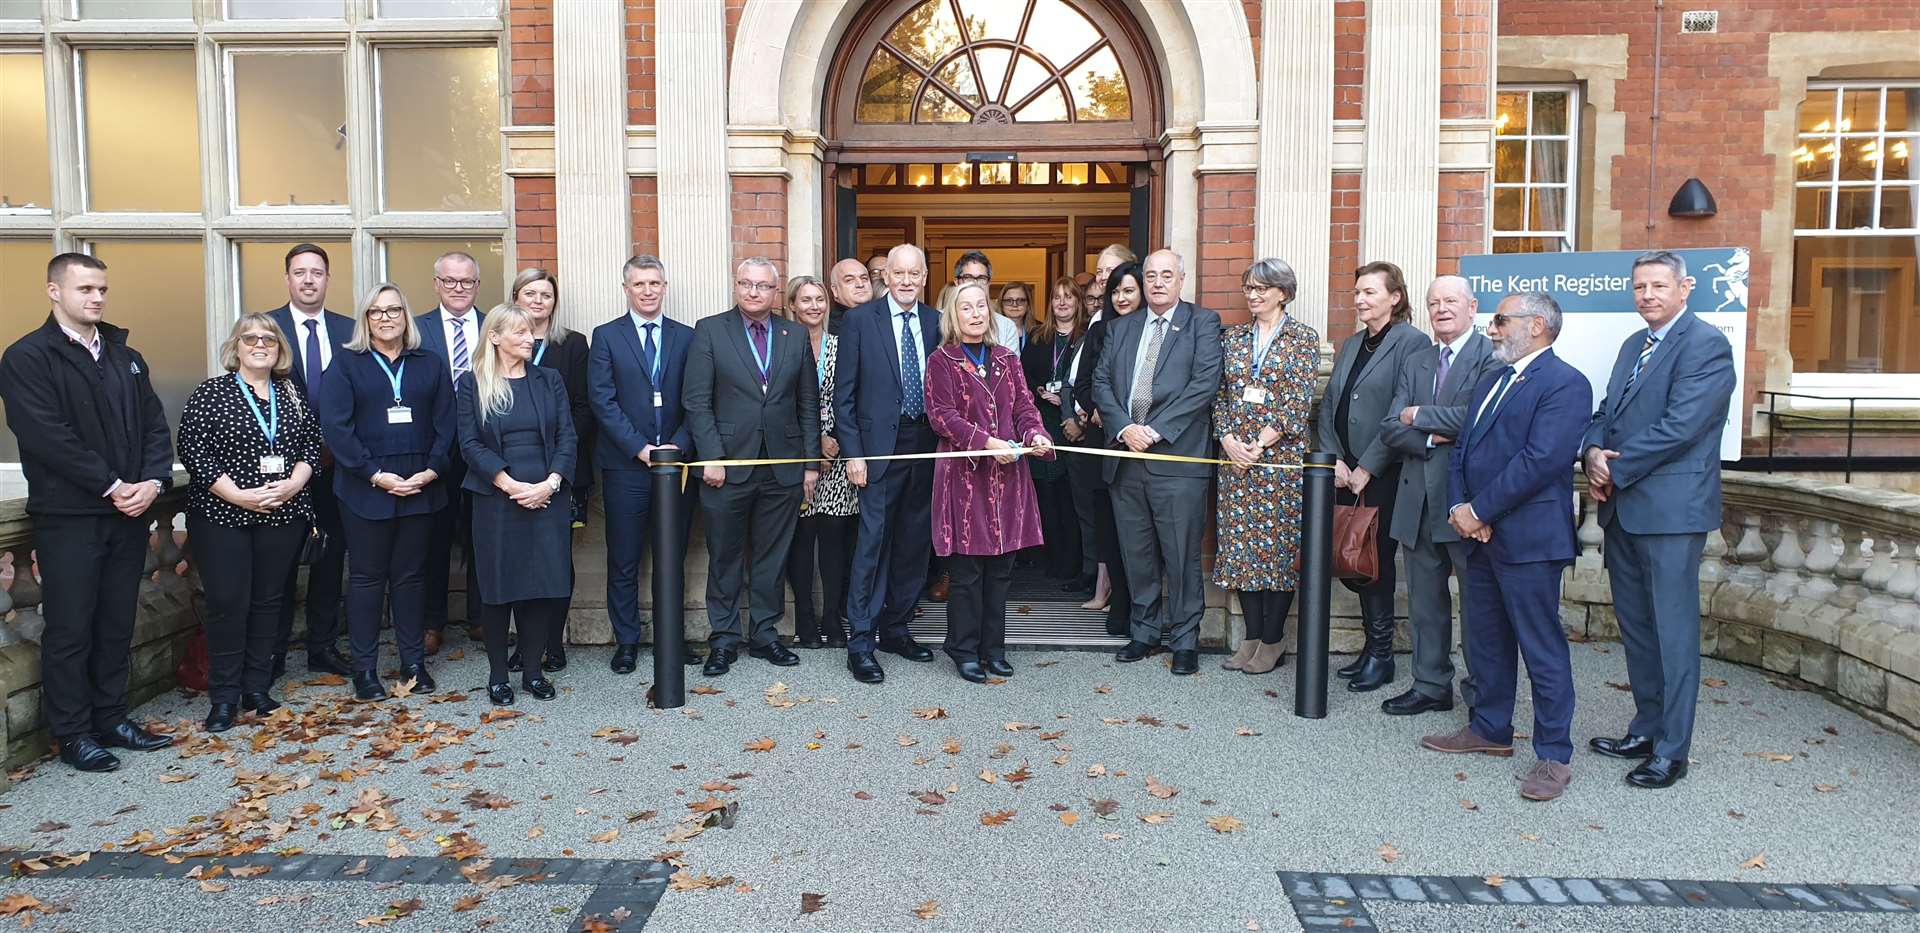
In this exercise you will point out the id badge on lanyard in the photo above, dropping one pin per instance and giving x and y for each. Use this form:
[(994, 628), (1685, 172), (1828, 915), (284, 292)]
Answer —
[(271, 464), (399, 413)]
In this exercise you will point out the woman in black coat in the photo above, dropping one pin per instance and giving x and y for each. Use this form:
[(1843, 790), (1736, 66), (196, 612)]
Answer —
[(564, 351), (517, 437), (1045, 361), (1125, 293)]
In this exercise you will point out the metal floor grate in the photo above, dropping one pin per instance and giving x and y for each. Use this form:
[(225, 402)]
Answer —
[(1037, 614)]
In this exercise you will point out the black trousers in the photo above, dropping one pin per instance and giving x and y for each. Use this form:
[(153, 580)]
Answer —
[(243, 572), (831, 537), (1120, 603), (977, 607), (451, 525), (90, 569), (1059, 527), (325, 578), (537, 620), (388, 554), (1265, 612)]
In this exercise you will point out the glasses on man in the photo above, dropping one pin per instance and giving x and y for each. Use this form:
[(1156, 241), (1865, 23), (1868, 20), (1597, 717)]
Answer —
[(385, 312), (258, 340), (1502, 320), (752, 287), (458, 285), (971, 279)]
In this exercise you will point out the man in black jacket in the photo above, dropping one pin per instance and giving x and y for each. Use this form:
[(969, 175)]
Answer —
[(96, 452)]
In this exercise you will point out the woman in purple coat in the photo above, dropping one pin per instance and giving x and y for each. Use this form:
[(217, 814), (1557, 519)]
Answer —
[(983, 507)]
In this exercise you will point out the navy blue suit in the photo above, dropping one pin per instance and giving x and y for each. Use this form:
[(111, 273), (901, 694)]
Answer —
[(620, 388), (895, 543), (1514, 467), (323, 579), (455, 521)]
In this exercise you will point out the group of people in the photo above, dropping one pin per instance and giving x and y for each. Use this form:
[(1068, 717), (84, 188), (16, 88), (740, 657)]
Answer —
[(382, 439)]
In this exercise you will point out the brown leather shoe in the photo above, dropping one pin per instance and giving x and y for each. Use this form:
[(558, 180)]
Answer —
[(1241, 657), (1547, 781), (1466, 742), (432, 639), (939, 591)]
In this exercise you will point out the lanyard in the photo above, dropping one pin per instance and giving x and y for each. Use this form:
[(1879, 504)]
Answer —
[(979, 362), (392, 376), (764, 362), (539, 351), (1260, 349), (820, 363), (1060, 346), (269, 423)]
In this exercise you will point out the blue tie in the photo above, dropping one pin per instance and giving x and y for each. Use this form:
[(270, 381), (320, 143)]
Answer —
[(653, 374), (915, 401)]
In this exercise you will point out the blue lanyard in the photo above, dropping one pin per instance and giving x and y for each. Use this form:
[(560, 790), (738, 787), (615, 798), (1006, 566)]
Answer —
[(539, 351), (660, 354), (270, 428), (820, 362), (979, 362), (764, 362), (1260, 349), (392, 376)]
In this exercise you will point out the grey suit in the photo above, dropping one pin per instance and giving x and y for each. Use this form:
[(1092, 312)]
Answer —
[(1428, 544), (1159, 507), (1666, 497)]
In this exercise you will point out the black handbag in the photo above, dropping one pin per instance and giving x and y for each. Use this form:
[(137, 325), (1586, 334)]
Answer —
[(315, 545)]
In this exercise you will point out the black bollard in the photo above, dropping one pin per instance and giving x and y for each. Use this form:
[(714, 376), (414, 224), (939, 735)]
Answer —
[(1316, 586), (669, 582)]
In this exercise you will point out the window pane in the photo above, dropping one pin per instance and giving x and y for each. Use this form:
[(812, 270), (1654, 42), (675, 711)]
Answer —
[(1903, 109), (1059, 32), (1855, 310), (1110, 173), (1857, 158), (410, 266), (142, 141), (886, 90), (1548, 210), (920, 174), (993, 19), (1860, 110), (1511, 113), (1100, 90), (1510, 161), (1900, 153), (440, 129), (24, 181), (1816, 114), (290, 111), (1549, 113), (1049, 107), (286, 9), (421, 9), (956, 174), (1856, 209), (1525, 244), (993, 71), (937, 107), (996, 173), (23, 307), (1028, 73), (263, 275), (136, 9), (161, 301), (1810, 208), (1073, 173), (1549, 160), (927, 33), (1035, 173), (881, 175), (1509, 209), (1813, 160), (958, 74), (20, 9), (1898, 206)]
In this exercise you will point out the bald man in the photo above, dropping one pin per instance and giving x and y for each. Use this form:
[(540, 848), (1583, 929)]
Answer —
[(851, 289)]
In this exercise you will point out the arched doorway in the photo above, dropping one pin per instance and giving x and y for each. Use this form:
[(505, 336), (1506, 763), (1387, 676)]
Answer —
[(1026, 128)]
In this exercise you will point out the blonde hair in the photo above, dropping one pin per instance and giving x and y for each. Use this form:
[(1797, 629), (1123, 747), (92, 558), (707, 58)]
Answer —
[(794, 285), (950, 311), (362, 340), (556, 333), (491, 393), (230, 350)]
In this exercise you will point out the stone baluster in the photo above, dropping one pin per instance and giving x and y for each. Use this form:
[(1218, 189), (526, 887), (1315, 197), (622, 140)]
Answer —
[(1589, 535), (1788, 561), (1877, 604), (1852, 566), (1903, 585), (1751, 552), (1822, 557), (1713, 559), (167, 554), (24, 595)]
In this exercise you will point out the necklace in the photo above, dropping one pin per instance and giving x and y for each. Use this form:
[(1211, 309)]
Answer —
[(979, 360)]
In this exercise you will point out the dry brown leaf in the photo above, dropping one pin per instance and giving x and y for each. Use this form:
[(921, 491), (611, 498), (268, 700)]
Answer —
[(1096, 770), (1224, 824), (951, 746), (1162, 791), (608, 836), (250, 871), (467, 903), (214, 887), (705, 690), (1757, 862), (1494, 880), (931, 798), (930, 713), (996, 817), (907, 741), (862, 795), (684, 880), (176, 778), (1388, 853), (1069, 818), (359, 868), (987, 775), (1016, 776), (1468, 805), (537, 831), (762, 744), (810, 903), (1156, 818), (1712, 682), (1770, 756), (1826, 788), (1244, 730), (718, 787), (927, 910)]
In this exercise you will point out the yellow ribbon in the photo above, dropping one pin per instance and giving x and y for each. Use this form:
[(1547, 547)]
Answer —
[(954, 454)]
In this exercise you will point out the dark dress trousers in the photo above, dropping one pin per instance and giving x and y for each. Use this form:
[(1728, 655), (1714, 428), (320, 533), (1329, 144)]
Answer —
[(1045, 361), (892, 551), (1514, 469), (387, 535), (83, 424), (325, 576), (620, 392), (454, 522), (1090, 492), (732, 414)]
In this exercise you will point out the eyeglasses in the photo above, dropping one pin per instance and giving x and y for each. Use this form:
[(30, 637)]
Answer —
[(1013, 301), (378, 313), (258, 340), (1502, 320), (752, 287), (458, 285), (1257, 291), (971, 280)]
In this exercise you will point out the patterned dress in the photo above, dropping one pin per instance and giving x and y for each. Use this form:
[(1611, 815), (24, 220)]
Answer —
[(833, 494), (1259, 510)]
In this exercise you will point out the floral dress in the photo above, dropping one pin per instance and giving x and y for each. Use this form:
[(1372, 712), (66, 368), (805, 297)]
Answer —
[(1259, 510), (833, 494)]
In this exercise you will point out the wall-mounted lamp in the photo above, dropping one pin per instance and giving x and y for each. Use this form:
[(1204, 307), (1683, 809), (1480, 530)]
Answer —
[(1692, 200)]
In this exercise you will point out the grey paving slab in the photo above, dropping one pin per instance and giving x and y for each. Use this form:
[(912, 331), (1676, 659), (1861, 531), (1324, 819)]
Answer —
[(1398, 917), (180, 906)]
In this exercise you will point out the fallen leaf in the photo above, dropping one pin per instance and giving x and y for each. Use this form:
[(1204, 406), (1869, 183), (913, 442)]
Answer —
[(403, 689), (1015, 777), (1712, 682), (51, 826), (930, 713), (862, 795), (250, 871), (214, 887), (608, 836), (1243, 730), (1736, 814), (1224, 824), (1826, 788), (1757, 862), (1096, 770), (684, 880), (907, 741), (931, 798), (467, 903), (537, 831), (1494, 880), (987, 775), (762, 744), (1156, 818), (1162, 791), (927, 910), (1468, 805), (359, 868), (951, 746), (996, 817), (810, 903), (1388, 853), (1069, 818), (1104, 808), (1770, 756)]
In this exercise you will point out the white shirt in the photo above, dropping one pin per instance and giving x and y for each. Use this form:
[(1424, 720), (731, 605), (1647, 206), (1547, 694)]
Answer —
[(913, 331), (1073, 368), (469, 325), (1006, 332), (640, 324), (94, 347), (299, 338), (1491, 403), (1146, 337)]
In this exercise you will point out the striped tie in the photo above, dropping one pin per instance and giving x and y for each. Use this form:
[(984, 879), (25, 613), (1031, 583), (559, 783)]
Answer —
[(462, 360), (1645, 352)]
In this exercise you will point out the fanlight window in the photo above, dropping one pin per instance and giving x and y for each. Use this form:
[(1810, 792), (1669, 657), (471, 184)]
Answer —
[(993, 61)]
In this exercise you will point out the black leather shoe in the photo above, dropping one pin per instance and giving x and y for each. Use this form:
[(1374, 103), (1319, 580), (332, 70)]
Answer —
[(1134, 651), (624, 658), (422, 681), (500, 694), (864, 668), (1627, 746), (540, 687), (908, 648), (367, 686), (999, 667), (1657, 772), (1413, 703), (261, 703), (327, 659), (971, 671), (1352, 667), (220, 717), (1186, 662), (83, 753), (555, 661), (719, 662), (514, 664), (837, 634), (127, 735), (776, 654), (1375, 672), (279, 666)]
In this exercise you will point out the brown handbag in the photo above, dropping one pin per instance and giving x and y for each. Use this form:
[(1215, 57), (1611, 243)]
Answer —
[(1356, 543)]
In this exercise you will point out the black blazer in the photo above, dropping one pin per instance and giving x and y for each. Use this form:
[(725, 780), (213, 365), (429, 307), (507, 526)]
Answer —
[(353, 404), (620, 391), (60, 405), (1037, 361), (728, 414), (480, 443), (339, 330), (569, 359)]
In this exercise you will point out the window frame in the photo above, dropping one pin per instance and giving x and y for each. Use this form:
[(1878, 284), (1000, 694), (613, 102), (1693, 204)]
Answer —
[(230, 115), (1570, 237)]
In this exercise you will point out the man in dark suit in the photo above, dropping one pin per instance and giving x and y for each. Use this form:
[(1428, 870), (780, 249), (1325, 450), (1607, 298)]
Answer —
[(880, 408), (316, 335), (751, 393), (451, 331), (850, 288), (1511, 489), (1652, 457), (635, 369), (1154, 388), (1424, 420), (96, 453)]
